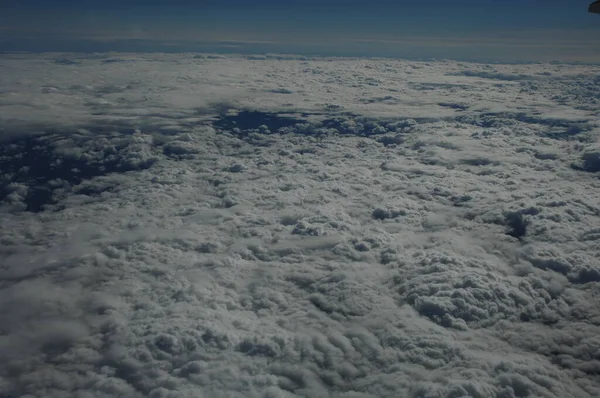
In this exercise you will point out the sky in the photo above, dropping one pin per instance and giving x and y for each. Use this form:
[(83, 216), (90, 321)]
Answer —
[(525, 30)]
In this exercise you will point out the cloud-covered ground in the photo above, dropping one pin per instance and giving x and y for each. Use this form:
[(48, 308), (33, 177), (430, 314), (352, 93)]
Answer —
[(276, 226)]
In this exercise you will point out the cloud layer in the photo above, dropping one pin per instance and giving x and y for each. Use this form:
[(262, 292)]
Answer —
[(277, 227)]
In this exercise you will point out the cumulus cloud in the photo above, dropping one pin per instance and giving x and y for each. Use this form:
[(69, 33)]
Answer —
[(278, 226)]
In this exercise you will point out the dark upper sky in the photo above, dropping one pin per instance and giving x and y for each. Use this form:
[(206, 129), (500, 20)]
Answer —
[(462, 29)]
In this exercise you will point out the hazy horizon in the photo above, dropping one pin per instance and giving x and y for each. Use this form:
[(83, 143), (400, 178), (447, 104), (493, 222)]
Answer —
[(462, 30)]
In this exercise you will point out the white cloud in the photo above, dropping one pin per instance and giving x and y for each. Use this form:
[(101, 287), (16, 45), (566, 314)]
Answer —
[(216, 227)]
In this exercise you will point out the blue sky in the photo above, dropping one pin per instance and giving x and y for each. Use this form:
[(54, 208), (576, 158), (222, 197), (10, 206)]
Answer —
[(462, 29)]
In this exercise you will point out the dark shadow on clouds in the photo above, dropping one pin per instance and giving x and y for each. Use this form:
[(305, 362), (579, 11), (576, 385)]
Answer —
[(38, 170)]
